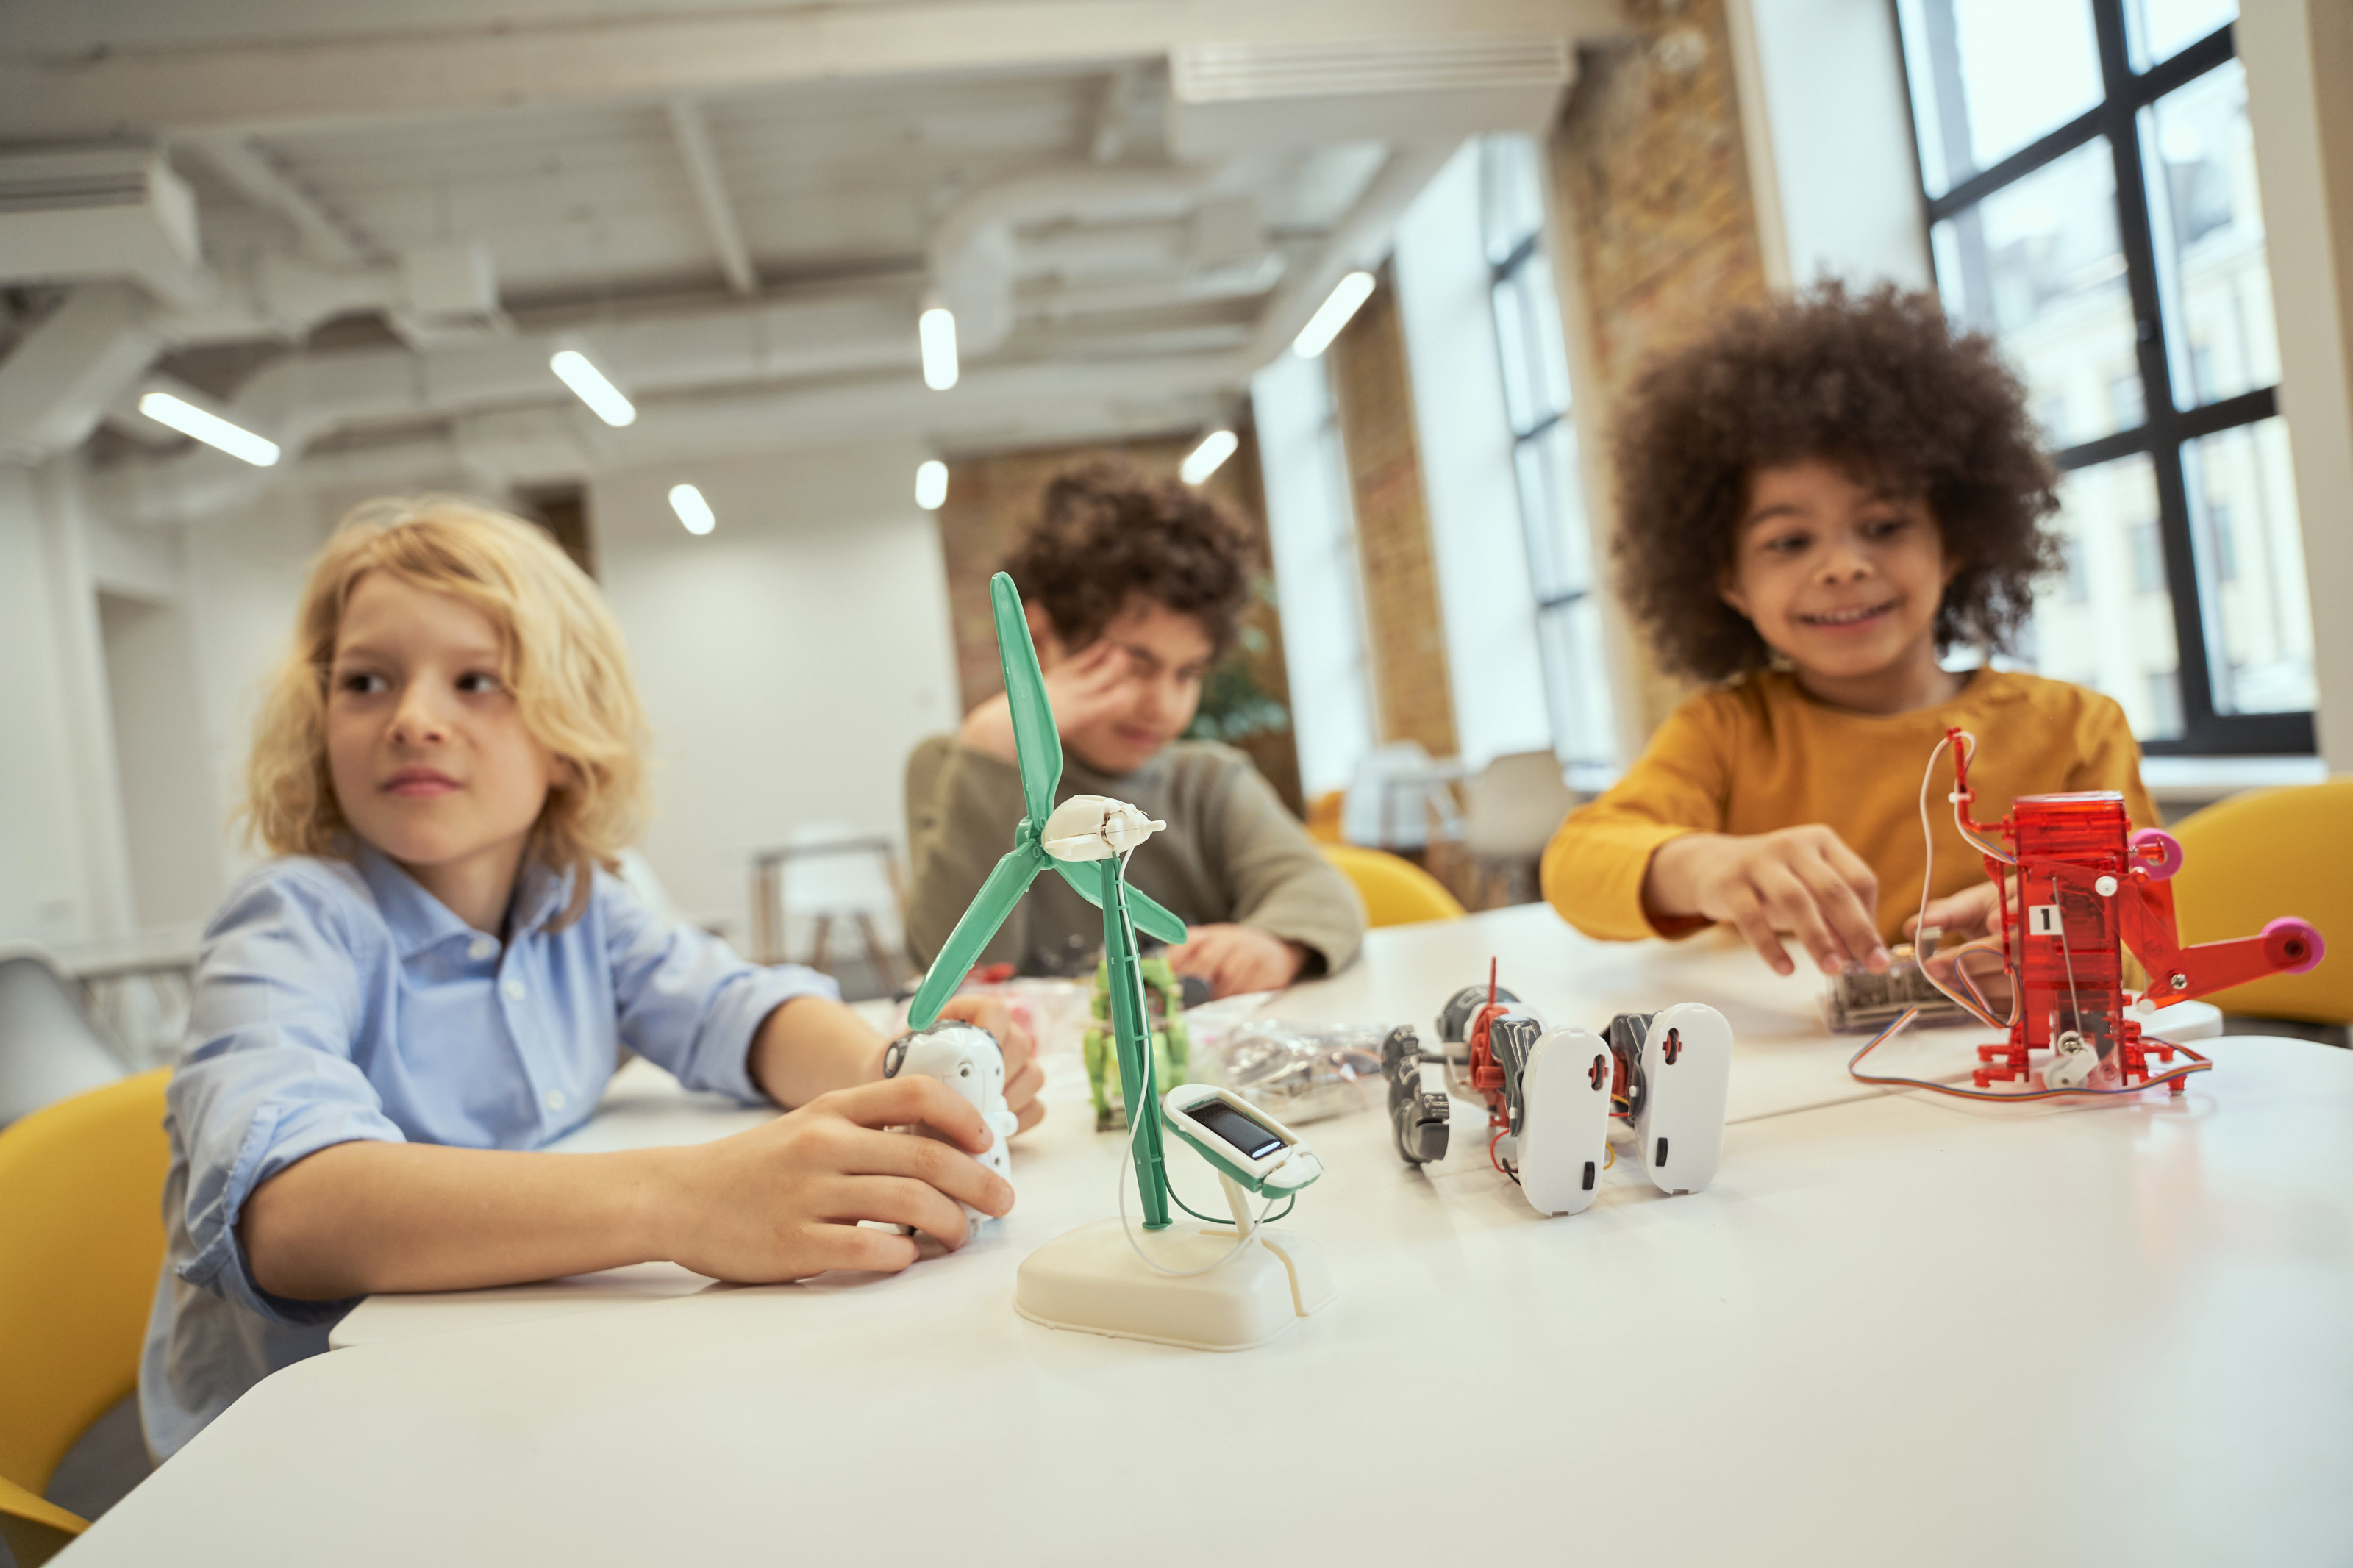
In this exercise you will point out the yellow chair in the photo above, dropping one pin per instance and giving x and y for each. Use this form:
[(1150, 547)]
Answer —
[(1396, 891), (1323, 817), (81, 1240), (2255, 857)]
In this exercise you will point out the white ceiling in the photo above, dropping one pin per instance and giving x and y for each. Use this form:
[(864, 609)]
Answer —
[(326, 142)]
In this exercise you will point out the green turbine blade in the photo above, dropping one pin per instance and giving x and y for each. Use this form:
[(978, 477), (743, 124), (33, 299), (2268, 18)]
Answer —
[(1036, 741), (1145, 913), (989, 909)]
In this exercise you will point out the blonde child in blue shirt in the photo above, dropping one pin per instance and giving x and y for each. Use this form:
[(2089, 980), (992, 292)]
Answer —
[(435, 978)]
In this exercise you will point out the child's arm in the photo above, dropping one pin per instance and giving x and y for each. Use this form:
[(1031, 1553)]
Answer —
[(1295, 914), (1648, 856), (1800, 880), (779, 1202)]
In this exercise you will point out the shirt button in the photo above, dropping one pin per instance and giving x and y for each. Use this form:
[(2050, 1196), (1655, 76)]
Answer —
[(514, 990), (481, 947), (554, 1100)]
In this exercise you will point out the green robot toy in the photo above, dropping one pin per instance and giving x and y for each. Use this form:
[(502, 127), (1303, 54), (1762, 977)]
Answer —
[(1172, 1043)]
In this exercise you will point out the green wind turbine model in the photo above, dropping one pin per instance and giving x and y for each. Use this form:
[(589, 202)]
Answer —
[(1182, 1283), (1088, 840)]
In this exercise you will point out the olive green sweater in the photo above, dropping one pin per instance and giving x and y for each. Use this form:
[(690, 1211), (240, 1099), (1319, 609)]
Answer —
[(1231, 852)]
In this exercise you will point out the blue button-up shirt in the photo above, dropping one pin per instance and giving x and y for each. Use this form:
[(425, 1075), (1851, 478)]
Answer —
[(339, 1000)]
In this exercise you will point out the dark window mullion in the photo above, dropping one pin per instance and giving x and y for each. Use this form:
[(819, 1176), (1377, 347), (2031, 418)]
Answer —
[(2047, 148), (2193, 673)]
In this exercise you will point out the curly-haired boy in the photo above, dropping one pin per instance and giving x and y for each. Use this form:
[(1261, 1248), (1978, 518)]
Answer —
[(1816, 503), (1134, 587)]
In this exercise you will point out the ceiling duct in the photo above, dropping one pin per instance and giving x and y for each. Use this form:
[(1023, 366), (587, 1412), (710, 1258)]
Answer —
[(99, 212), (1248, 97)]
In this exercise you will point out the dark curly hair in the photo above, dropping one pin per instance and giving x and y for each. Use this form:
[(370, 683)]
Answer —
[(1105, 530), (1878, 384)]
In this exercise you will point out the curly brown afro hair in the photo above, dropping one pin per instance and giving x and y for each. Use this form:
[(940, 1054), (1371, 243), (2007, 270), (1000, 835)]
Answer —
[(1105, 531), (1878, 384)]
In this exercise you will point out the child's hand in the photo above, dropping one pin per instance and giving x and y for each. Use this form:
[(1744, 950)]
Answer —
[(1023, 1077), (1238, 958), (1084, 689), (1803, 881), (1970, 913), (782, 1201)]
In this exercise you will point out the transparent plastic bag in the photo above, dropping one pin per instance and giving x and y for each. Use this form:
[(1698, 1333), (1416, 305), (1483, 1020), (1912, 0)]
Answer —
[(1299, 1073)]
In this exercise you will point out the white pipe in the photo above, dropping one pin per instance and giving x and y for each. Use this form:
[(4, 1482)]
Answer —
[(974, 260)]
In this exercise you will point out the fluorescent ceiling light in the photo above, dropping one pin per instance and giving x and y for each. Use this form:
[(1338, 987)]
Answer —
[(935, 330), (595, 391), (691, 509), (1332, 315), (931, 484), (1203, 461), (210, 428)]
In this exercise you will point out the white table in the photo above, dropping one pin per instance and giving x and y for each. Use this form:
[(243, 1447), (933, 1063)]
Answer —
[(1895, 1330)]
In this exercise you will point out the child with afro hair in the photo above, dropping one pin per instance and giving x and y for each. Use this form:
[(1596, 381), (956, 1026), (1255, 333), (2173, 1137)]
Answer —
[(1817, 502)]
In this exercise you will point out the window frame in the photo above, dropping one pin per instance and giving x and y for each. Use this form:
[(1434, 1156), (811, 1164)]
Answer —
[(1551, 606), (2165, 429)]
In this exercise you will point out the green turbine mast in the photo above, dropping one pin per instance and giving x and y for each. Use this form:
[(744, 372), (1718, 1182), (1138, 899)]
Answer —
[(1088, 840)]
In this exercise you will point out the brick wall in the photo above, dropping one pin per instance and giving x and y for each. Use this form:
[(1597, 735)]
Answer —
[(993, 500), (1651, 178), (1405, 628)]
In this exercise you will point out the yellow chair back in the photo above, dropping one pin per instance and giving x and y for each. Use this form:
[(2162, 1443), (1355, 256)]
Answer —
[(1396, 891), (2256, 856), (1323, 817), (81, 1240)]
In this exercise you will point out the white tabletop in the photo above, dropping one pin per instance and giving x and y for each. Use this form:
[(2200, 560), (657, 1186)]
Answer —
[(1901, 1329)]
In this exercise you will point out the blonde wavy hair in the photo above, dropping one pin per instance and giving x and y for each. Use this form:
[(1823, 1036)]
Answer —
[(565, 664)]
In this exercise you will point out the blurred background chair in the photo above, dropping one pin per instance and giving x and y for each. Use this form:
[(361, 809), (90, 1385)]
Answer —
[(829, 876), (1400, 798), (1511, 809), (1396, 891), (48, 1049), (82, 1239), (2255, 857)]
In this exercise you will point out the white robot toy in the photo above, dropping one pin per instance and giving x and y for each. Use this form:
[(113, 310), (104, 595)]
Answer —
[(967, 1060), (1551, 1093)]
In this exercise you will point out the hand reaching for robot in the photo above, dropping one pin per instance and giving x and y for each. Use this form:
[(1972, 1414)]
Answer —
[(1973, 912), (1084, 689), (784, 1201), (1801, 881), (1235, 959), (1023, 1077)]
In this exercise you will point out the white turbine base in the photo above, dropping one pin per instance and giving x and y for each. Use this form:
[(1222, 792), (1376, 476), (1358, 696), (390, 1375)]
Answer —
[(1090, 1280)]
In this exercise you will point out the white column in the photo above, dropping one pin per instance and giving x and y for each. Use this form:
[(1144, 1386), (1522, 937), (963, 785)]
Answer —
[(2304, 150)]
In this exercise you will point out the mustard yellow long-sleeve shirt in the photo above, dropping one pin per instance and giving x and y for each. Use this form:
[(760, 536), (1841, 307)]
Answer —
[(1759, 754)]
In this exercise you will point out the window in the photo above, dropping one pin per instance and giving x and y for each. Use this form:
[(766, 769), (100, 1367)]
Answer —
[(1545, 452), (2092, 201)]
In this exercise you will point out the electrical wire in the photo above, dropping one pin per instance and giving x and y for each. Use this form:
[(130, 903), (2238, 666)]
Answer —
[(1127, 1157), (2167, 1080), (1928, 869)]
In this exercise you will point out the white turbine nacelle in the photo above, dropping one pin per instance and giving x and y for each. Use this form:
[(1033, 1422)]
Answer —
[(1096, 827)]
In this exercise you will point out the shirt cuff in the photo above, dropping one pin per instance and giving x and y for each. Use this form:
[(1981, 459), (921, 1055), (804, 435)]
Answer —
[(723, 1061), (279, 1135)]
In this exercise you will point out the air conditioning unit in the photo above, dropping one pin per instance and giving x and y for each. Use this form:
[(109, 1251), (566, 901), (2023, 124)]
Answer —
[(1251, 96), (99, 212)]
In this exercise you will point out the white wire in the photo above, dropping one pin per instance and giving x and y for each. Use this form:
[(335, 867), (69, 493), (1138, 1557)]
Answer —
[(1929, 874), (1135, 1127)]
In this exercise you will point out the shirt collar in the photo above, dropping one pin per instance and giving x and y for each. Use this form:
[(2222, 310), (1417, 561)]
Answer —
[(418, 920)]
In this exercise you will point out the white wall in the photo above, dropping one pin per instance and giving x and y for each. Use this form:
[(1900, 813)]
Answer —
[(1465, 443), (1318, 580), (172, 819), (2299, 57), (44, 878), (1829, 136), (790, 660)]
